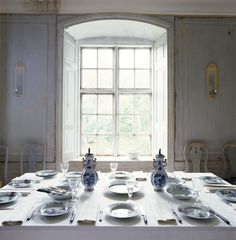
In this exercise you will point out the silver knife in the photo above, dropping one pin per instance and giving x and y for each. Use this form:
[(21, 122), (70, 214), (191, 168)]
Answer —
[(143, 215), (100, 215), (31, 215), (72, 216)]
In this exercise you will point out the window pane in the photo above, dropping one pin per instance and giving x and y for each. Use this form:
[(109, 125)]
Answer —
[(142, 124), (126, 58), (126, 104), (142, 58), (105, 78), (142, 79), (105, 124), (143, 144), (126, 79), (89, 78), (105, 104), (126, 144), (126, 124), (142, 104), (88, 142), (89, 58), (89, 103), (105, 145), (105, 58), (89, 124)]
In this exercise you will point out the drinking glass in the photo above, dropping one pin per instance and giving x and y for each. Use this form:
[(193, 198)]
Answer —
[(130, 184), (197, 187), (64, 168), (74, 183), (113, 167)]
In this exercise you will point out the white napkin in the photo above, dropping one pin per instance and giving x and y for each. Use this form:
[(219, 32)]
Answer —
[(220, 187), (163, 213), (18, 216), (87, 213), (23, 191)]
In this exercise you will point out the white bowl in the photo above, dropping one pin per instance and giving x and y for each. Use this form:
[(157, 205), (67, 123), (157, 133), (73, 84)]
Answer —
[(133, 155)]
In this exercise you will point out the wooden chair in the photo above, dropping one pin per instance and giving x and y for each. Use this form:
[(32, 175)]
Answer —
[(32, 154), (196, 156), (229, 155), (4, 152)]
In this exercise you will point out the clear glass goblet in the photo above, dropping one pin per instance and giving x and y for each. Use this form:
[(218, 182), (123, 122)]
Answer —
[(113, 167), (130, 184), (74, 183), (64, 168), (197, 188)]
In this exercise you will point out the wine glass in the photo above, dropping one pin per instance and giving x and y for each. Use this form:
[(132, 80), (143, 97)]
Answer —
[(197, 187), (130, 184), (64, 168), (74, 183), (113, 167)]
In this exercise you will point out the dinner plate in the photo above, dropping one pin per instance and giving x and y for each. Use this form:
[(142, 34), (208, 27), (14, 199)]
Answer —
[(196, 211), (119, 187), (46, 173), (121, 174), (123, 210), (180, 192), (61, 196), (7, 197), (21, 183), (212, 180), (53, 209), (227, 194)]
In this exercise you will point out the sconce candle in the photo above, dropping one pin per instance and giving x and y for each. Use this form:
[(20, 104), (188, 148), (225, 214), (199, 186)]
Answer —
[(212, 81), (19, 79)]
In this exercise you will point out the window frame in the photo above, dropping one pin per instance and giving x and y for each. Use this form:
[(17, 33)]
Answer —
[(116, 91)]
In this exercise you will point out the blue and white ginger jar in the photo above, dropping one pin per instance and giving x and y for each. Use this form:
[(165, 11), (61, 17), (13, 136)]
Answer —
[(89, 176), (159, 175)]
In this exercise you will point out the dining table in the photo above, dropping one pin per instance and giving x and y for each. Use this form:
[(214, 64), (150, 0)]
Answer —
[(157, 214)]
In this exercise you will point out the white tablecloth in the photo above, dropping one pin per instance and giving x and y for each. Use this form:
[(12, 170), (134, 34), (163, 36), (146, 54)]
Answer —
[(39, 228)]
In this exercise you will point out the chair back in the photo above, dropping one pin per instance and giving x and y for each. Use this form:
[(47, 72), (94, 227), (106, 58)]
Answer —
[(196, 156), (4, 153), (229, 154)]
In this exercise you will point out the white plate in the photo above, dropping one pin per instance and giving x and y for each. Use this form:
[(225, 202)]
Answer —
[(227, 194), (53, 209), (21, 183), (180, 192), (46, 173), (121, 174), (123, 210), (196, 211), (119, 187), (73, 174), (173, 180), (64, 196), (7, 197), (212, 180)]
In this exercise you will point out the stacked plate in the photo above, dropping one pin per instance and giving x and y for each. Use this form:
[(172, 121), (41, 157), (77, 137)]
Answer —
[(180, 192), (46, 173), (7, 197), (227, 194), (212, 180)]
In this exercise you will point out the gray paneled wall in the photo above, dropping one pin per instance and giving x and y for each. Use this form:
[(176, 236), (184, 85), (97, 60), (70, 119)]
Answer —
[(31, 40)]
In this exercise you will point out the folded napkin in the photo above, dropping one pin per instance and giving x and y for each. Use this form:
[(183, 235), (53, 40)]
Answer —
[(217, 187), (87, 213), (23, 191), (18, 216), (163, 213)]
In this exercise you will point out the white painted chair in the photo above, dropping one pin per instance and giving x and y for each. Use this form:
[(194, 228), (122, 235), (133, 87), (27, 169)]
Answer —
[(4, 152), (32, 154), (196, 156), (229, 154)]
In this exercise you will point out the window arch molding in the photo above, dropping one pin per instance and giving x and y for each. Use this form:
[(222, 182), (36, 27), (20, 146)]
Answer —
[(64, 22)]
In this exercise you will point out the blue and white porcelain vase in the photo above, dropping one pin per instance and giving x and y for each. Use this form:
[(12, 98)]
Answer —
[(159, 175), (89, 176)]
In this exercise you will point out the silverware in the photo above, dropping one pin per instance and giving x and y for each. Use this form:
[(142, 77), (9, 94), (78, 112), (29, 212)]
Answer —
[(220, 216), (100, 215), (143, 214), (31, 215), (72, 216), (7, 208), (176, 215)]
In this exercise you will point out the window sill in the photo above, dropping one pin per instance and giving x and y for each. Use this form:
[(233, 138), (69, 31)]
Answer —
[(118, 159)]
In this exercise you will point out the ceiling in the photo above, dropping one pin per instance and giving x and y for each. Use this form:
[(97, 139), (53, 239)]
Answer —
[(169, 7), (116, 29)]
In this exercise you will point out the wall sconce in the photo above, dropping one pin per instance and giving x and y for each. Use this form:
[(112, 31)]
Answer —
[(212, 81), (19, 76)]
